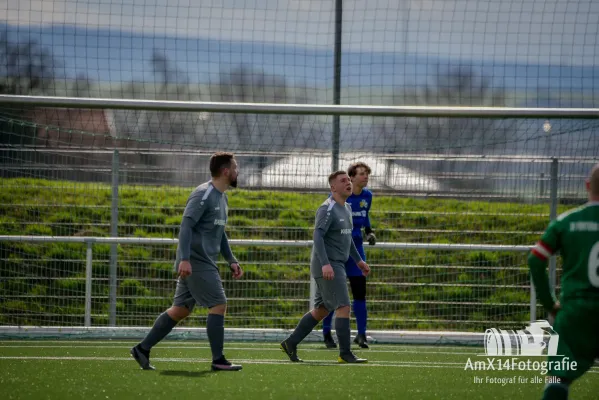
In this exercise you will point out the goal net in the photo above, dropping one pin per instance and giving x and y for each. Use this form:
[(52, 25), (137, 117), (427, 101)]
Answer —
[(458, 198), (454, 218)]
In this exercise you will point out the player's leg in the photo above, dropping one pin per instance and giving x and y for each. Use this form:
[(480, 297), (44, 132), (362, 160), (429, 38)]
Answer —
[(335, 295), (327, 322), (306, 324), (182, 306), (208, 291), (358, 288), (339, 296), (576, 324)]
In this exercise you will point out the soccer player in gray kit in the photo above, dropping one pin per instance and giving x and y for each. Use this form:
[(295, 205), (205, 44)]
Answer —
[(201, 238), (333, 245)]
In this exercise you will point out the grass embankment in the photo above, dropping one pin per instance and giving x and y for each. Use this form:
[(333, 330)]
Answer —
[(55, 271)]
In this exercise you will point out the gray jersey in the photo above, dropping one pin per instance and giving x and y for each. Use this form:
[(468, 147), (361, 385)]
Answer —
[(333, 242), (202, 235)]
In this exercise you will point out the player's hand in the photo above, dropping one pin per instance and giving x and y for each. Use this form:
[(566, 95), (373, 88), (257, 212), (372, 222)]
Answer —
[(371, 239), (327, 272), (184, 269), (236, 270), (364, 267), (556, 307)]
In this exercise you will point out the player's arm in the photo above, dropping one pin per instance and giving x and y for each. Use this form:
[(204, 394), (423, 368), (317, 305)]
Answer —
[(353, 253), (225, 250), (547, 246), (193, 212), (321, 226), (370, 237)]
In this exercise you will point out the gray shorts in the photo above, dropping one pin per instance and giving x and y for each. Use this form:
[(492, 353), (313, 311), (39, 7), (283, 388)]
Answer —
[(203, 287), (332, 294)]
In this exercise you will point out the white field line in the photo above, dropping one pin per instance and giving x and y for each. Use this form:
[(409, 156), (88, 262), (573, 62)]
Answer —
[(273, 348), (404, 364), (248, 345)]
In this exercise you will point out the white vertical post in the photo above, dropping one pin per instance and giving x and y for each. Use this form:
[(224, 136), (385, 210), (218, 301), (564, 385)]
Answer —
[(336, 84), (114, 232), (88, 286), (553, 216), (533, 302)]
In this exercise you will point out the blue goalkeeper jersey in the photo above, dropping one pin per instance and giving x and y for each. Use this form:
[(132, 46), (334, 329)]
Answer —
[(360, 206)]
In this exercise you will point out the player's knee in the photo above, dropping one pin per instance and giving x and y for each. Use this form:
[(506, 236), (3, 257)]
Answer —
[(319, 313), (219, 309), (342, 312), (178, 313)]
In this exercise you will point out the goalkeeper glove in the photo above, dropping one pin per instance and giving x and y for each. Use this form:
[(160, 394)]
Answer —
[(370, 237)]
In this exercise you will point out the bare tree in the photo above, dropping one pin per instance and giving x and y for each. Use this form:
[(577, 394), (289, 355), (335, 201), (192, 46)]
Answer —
[(461, 87), (25, 68), (174, 83), (259, 132), (81, 86), (458, 86), (157, 129)]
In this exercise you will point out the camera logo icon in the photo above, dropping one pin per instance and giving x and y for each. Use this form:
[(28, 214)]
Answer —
[(537, 339)]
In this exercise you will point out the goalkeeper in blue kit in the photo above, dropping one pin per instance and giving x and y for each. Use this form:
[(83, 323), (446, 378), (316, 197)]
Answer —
[(360, 201)]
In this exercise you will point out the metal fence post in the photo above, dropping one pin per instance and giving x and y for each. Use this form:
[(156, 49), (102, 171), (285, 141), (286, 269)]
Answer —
[(337, 84), (88, 285), (553, 216), (533, 303), (542, 185), (114, 224), (553, 182)]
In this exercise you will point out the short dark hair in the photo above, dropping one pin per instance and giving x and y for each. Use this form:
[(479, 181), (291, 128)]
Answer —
[(353, 169), (218, 161), (335, 175)]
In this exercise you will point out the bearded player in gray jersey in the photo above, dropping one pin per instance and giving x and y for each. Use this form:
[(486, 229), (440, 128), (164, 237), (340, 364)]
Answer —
[(201, 238), (333, 245)]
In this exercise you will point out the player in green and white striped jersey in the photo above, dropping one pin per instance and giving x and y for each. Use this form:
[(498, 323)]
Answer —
[(575, 235)]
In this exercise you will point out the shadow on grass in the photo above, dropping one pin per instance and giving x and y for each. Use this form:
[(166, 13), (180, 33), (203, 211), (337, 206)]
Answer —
[(187, 374)]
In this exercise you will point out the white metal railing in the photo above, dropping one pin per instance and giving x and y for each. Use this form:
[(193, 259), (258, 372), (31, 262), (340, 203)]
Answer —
[(314, 109), (90, 241)]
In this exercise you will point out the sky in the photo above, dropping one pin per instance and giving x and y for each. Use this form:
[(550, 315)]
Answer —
[(552, 32)]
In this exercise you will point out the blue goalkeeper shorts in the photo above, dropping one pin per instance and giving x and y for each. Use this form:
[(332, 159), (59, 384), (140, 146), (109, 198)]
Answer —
[(351, 268)]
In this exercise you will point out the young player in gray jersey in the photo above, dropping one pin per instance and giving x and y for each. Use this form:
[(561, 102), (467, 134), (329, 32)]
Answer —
[(202, 238), (333, 245)]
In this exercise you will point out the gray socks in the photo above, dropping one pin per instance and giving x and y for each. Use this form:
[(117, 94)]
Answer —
[(215, 328), (343, 334), (303, 329), (163, 325)]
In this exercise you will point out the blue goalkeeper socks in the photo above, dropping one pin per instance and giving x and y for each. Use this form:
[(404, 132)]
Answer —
[(361, 314), (327, 322)]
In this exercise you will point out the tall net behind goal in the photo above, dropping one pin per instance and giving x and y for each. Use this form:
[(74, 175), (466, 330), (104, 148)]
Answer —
[(440, 183), (88, 174)]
